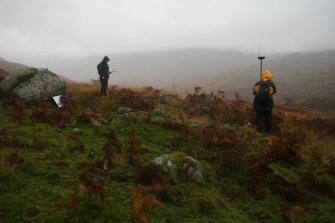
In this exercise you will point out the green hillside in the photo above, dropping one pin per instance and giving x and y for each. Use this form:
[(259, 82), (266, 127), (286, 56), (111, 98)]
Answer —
[(89, 161)]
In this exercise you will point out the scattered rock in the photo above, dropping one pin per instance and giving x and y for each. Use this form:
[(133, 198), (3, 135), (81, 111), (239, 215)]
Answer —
[(229, 127), (167, 164), (193, 125), (194, 170), (33, 83), (170, 164), (165, 101), (76, 130), (131, 116), (123, 110), (159, 112), (205, 109)]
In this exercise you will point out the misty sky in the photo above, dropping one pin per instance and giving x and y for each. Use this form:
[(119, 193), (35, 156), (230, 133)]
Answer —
[(61, 28)]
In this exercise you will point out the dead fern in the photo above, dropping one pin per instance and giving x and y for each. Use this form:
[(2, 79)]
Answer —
[(284, 148), (90, 189), (290, 213), (143, 202), (134, 147), (112, 148), (14, 159)]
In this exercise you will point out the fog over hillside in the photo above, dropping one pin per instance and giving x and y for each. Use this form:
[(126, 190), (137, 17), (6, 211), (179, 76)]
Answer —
[(10, 66), (301, 78), (164, 69), (304, 78)]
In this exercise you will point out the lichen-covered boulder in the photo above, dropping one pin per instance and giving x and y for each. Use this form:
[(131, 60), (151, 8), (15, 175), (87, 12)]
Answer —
[(188, 167), (167, 164), (194, 170), (33, 83)]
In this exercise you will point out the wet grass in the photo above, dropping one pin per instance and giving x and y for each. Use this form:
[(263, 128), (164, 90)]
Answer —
[(38, 188)]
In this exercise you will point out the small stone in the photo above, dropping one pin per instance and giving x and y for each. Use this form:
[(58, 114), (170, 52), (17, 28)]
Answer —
[(193, 125), (205, 109), (123, 110), (165, 101), (159, 112)]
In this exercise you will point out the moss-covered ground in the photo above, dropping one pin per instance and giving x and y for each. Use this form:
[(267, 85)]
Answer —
[(250, 177)]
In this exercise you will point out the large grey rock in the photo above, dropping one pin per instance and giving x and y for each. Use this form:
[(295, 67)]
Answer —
[(191, 168), (33, 83), (167, 164)]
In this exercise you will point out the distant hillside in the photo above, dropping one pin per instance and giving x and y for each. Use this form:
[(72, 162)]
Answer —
[(10, 66), (165, 69), (301, 79)]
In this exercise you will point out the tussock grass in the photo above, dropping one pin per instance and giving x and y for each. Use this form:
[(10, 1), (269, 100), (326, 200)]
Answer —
[(86, 162)]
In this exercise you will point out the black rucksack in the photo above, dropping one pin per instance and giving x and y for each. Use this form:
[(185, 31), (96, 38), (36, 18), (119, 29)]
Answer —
[(100, 67), (263, 95)]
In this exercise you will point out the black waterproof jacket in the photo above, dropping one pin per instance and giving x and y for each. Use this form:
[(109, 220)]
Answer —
[(267, 77), (103, 68)]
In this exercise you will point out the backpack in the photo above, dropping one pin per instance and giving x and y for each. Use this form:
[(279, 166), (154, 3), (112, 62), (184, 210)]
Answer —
[(100, 67), (263, 95)]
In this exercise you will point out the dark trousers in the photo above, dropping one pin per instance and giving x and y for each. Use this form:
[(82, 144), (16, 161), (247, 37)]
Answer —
[(264, 121), (104, 84)]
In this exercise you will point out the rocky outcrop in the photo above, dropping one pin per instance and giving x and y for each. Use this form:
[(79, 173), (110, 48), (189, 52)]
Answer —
[(194, 170), (33, 83), (181, 166), (168, 165)]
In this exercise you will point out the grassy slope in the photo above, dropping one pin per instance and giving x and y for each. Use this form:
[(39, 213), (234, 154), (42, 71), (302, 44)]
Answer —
[(38, 189)]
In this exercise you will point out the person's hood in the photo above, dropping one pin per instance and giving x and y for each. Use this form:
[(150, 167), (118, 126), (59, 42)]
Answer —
[(106, 59), (266, 76)]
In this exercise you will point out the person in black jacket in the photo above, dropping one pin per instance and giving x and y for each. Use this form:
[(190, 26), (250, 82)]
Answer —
[(263, 101), (103, 70)]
